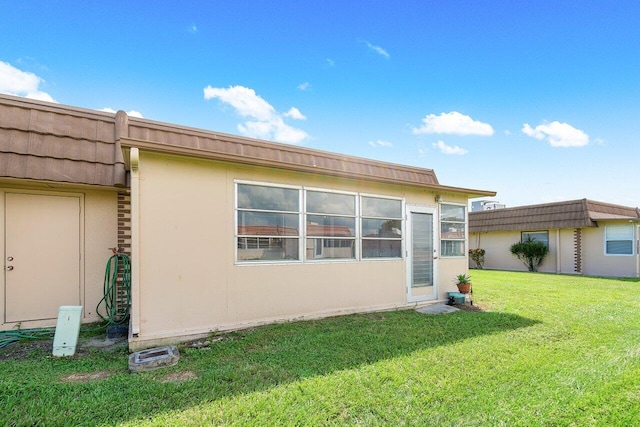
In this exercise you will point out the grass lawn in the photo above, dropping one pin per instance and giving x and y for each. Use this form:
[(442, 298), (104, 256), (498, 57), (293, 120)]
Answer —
[(547, 350)]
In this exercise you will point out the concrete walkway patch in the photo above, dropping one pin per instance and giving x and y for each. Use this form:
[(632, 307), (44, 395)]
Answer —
[(437, 309)]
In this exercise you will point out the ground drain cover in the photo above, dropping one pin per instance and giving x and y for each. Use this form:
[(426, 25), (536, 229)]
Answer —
[(153, 358)]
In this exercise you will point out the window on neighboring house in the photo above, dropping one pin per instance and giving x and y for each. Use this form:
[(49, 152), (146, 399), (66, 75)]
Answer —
[(381, 227), (330, 225), (618, 239), (452, 230), (268, 223), (538, 236)]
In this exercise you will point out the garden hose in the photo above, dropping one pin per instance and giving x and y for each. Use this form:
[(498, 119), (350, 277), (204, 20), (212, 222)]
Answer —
[(117, 294), (15, 335)]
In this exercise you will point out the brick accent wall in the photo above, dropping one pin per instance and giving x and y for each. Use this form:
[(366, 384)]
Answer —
[(577, 250), (124, 222)]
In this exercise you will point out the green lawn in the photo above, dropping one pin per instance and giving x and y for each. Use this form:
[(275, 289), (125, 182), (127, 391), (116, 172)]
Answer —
[(547, 350)]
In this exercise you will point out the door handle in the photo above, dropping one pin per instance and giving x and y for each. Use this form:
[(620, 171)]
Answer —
[(10, 267), (10, 258)]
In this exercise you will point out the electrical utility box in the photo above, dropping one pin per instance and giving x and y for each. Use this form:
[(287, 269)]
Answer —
[(65, 339)]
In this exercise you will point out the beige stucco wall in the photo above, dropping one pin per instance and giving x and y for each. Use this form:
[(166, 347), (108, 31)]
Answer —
[(562, 254), (98, 233), (596, 263), (498, 256), (189, 283)]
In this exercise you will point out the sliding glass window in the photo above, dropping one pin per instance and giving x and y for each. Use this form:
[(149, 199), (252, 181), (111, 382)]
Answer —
[(381, 227), (268, 221), (330, 225)]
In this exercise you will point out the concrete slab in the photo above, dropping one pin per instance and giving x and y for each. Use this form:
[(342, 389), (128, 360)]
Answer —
[(437, 309)]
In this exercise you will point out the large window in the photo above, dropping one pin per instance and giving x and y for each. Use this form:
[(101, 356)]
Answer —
[(296, 224), (619, 239), (268, 223), (381, 227), (452, 230), (330, 225), (538, 236)]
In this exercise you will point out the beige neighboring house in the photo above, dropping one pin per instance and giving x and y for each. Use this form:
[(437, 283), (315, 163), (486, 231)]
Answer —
[(584, 237), (224, 232)]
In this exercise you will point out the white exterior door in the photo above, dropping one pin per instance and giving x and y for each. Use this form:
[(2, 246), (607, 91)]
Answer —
[(421, 263), (42, 255)]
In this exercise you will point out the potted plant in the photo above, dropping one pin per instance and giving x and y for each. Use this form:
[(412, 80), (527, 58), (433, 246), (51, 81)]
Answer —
[(463, 281)]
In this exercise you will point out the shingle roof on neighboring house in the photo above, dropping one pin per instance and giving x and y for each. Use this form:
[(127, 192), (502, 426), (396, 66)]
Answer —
[(52, 142), (569, 214)]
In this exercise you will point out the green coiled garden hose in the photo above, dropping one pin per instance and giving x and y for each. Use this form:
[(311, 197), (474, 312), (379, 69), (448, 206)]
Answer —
[(117, 294)]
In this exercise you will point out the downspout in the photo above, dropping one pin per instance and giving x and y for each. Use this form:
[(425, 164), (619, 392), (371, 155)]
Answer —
[(558, 252), (134, 158), (638, 250)]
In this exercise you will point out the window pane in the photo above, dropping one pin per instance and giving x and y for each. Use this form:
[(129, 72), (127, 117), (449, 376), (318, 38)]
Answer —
[(381, 248), (268, 198), (390, 228), (452, 248), (331, 248), (331, 203), (451, 230), (332, 226), (381, 208), (267, 224), (538, 236), (619, 247), (452, 213), (619, 232), (268, 249)]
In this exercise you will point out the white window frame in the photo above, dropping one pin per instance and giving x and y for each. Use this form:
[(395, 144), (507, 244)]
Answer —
[(302, 223), (403, 224), (235, 223), (356, 238), (465, 240), (632, 239), (522, 236)]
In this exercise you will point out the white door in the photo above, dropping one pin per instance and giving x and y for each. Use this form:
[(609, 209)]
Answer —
[(42, 255), (421, 266)]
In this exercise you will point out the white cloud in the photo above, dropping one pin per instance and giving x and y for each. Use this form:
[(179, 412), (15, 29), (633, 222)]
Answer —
[(380, 143), (21, 83), (304, 86), (331, 62), (557, 134), (453, 123), (266, 122), (378, 50), (295, 114), (132, 113), (447, 149)]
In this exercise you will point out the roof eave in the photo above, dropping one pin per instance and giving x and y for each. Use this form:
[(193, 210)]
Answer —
[(161, 148)]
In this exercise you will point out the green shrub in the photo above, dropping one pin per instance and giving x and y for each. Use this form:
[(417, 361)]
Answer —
[(477, 256), (531, 252)]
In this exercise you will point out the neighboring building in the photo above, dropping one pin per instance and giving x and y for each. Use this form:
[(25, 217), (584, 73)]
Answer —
[(486, 205), (224, 232), (584, 237)]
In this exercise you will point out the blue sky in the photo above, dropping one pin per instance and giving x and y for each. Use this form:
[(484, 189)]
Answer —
[(537, 100)]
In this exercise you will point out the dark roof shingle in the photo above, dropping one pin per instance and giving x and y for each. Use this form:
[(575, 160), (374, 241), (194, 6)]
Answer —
[(569, 214)]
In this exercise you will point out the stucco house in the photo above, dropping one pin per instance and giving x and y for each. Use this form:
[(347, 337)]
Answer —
[(583, 236), (224, 232)]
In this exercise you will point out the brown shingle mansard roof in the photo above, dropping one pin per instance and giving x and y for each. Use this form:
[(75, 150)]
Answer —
[(50, 142), (570, 214), (53, 142)]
